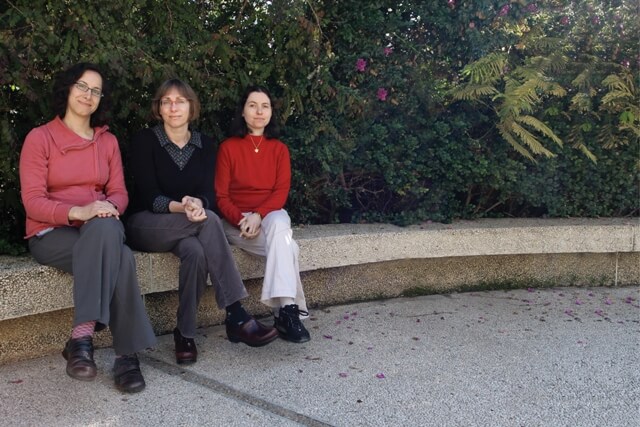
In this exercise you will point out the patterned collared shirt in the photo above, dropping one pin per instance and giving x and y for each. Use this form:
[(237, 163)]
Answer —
[(180, 156)]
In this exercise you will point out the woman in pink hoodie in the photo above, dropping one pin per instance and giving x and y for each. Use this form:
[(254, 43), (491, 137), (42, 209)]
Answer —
[(73, 191)]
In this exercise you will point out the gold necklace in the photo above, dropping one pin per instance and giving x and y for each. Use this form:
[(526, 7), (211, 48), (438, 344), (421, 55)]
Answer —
[(256, 148)]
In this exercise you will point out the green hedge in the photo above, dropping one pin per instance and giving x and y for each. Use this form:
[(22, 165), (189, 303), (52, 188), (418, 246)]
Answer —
[(366, 91)]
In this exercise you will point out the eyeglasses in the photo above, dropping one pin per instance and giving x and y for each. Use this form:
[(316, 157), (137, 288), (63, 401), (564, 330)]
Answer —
[(83, 87), (180, 102)]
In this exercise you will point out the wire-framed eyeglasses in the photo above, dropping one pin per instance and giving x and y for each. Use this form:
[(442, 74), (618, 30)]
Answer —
[(83, 87)]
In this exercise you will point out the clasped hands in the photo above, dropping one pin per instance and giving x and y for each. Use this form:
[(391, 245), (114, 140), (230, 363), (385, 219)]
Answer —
[(250, 225), (193, 209), (98, 208)]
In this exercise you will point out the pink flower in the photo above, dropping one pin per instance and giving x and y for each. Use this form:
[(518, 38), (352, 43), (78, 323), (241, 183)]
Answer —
[(451, 3), (361, 65), (382, 94), (388, 51), (595, 20), (532, 7), (564, 20), (504, 10)]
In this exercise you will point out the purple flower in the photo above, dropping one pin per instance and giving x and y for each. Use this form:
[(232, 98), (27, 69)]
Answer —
[(578, 302), (608, 301), (595, 20), (342, 375), (504, 10), (388, 51), (530, 290), (380, 375), (532, 8), (361, 65), (599, 312), (329, 337), (568, 312), (564, 20), (382, 94)]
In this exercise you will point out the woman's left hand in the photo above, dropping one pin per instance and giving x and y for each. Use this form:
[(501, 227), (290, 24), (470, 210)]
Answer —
[(193, 209), (250, 226)]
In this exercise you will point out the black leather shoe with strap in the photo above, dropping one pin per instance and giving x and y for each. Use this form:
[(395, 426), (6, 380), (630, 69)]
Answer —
[(127, 375), (78, 353)]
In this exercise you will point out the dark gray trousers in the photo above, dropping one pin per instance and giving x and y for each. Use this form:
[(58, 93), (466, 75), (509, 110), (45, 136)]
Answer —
[(203, 250), (105, 285)]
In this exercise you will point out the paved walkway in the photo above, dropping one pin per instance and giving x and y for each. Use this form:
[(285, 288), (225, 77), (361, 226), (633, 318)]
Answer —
[(543, 357)]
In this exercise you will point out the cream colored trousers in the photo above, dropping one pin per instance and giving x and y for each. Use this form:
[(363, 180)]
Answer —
[(275, 243)]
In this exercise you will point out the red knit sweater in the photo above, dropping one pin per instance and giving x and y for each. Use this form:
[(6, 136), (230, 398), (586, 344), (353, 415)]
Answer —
[(247, 181)]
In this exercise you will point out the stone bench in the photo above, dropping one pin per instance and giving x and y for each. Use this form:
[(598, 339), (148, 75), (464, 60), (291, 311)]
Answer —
[(349, 262)]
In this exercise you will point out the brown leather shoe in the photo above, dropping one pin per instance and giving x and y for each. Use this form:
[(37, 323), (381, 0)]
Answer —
[(79, 356), (127, 375), (186, 351), (252, 333)]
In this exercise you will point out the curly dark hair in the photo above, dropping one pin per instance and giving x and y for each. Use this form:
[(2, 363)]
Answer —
[(66, 79), (239, 125)]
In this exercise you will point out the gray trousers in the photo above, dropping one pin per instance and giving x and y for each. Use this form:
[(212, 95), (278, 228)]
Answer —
[(203, 250), (105, 285)]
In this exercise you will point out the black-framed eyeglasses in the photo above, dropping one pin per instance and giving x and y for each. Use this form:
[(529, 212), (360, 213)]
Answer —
[(83, 87)]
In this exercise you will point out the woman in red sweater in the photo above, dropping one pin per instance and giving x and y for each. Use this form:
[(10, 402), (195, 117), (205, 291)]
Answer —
[(253, 177), (73, 191)]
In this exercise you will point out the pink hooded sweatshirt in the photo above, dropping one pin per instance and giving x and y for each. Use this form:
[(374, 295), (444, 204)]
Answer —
[(59, 170)]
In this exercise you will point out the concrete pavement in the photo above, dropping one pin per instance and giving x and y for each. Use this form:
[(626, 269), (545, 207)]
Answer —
[(537, 357)]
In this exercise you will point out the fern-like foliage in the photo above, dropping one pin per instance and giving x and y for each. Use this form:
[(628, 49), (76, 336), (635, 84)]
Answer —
[(622, 99), (515, 96)]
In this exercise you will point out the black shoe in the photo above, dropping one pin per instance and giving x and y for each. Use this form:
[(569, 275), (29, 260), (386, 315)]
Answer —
[(127, 375), (290, 326), (79, 356), (251, 332), (186, 351)]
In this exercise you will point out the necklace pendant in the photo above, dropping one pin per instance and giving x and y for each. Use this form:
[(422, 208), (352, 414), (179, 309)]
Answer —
[(256, 150)]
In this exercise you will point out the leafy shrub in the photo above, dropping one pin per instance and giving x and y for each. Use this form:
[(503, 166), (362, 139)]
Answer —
[(366, 91)]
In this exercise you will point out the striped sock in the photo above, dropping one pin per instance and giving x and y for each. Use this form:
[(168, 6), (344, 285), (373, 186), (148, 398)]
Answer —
[(83, 330)]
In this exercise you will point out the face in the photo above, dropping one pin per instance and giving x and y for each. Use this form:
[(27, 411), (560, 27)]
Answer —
[(81, 103), (175, 109), (257, 112)]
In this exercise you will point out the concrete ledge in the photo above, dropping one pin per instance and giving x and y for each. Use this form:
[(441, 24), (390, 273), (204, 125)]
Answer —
[(346, 262)]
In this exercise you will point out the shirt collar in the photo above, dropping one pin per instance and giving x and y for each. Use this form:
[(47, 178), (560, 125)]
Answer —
[(195, 139)]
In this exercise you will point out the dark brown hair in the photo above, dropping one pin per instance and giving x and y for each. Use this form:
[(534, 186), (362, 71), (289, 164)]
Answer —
[(239, 125)]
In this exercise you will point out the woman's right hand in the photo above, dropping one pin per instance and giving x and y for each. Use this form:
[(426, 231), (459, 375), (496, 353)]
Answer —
[(193, 209), (98, 208)]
